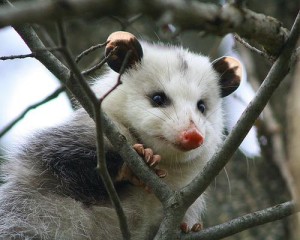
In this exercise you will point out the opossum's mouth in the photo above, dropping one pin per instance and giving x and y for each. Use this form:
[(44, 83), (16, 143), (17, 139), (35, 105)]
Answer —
[(175, 145)]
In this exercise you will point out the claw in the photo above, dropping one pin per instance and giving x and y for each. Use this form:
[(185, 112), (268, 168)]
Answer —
[(152, 160), (160, 173), (155, 160), (148, 154)]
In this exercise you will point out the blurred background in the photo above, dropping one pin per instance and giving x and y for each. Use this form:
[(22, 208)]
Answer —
[(254, 179)]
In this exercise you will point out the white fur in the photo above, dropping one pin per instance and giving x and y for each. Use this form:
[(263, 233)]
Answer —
[(58, 217)]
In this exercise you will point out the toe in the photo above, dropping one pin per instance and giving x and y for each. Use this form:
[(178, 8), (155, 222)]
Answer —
[(184, 227), (160, 173), (139, 148), (197, 227), (148, 155)]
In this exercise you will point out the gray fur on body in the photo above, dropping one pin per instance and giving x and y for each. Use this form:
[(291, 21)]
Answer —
[(51, 191)]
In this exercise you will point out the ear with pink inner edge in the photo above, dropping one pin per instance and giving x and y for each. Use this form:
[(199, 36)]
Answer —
[(121, 43), (230, 71)]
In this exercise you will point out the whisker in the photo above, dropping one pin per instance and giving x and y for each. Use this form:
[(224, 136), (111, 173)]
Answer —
[(161, 109), (228, 180), (164, 112), (206, 75)]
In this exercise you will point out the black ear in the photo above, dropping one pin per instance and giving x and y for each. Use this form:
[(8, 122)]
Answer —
[(121, 43), (230, 71)]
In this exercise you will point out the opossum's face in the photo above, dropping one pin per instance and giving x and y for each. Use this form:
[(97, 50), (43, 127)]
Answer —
[(171, 102)]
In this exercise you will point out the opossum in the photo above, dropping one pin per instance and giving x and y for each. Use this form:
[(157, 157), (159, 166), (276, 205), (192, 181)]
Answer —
[(169, 106)]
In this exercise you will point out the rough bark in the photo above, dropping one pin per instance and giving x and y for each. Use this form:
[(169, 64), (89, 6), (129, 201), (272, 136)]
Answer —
[(211, 18)]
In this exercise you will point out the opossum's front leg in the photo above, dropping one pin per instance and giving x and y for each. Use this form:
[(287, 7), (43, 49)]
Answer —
[(151, 159), (192, 218)]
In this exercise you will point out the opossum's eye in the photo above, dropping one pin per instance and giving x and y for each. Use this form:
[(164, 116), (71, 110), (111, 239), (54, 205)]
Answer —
[(201, 106), (159, 99)]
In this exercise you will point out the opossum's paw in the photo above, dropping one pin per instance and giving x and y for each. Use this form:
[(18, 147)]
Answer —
[(184, 227), (197, 227), (152, 160)]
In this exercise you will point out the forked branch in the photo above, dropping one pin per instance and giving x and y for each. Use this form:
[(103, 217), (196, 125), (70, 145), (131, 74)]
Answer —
[(195, 15)]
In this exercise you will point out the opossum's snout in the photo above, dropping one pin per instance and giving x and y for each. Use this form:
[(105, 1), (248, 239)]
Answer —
[(190, 139)]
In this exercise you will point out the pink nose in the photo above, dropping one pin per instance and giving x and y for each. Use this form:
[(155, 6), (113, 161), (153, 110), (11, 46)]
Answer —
[(190, 139)]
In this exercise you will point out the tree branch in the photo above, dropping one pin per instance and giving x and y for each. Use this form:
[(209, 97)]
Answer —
[(195, 15), (242, 223), (271, 128), (98, 65), (187, 15), (30, 55), (101, 161), (54, 65), (253, 49), (89, 50), (22, 115), (21, 56), (276, 74)]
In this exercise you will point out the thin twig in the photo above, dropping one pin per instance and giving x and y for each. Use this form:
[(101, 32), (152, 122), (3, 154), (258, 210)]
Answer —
[(98, 118), (122, 69), (94, 68), (102, 169), (21, 56), (30, 55), (101, 161), (99, 65), (73, 66), (254, 49), (89, 50), (22, 115)]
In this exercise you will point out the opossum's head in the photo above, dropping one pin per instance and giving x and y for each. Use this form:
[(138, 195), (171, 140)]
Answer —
[(171, 100)]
